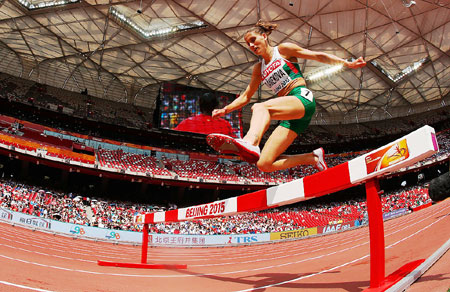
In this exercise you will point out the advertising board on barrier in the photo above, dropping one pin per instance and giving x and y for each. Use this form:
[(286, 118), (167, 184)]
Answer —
[(209, 209), (202, 240), (6, 214), (27, 220), (89, 232), (36, 222), (76, 230), (247, 238), (335, 227), (387, 156), (394, 213), (178, 240), (117, 236), (299, 233)]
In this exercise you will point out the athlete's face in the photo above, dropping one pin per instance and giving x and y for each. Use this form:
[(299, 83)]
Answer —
[(256, 42)]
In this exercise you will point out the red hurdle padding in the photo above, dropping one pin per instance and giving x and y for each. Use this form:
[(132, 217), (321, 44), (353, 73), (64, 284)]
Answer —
[(141, 266)]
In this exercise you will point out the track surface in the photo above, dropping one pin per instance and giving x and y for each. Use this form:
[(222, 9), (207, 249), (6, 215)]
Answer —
[(340, 262)]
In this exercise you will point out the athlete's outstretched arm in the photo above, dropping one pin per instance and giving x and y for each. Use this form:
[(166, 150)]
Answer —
[(245, 97), (292, 50)]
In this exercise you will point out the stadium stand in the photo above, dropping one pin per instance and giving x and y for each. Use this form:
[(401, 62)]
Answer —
[(120, 160), (31, 137), (104, 213), (73, 208)]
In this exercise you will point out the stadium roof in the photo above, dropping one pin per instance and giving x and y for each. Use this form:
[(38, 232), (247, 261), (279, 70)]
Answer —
[(122, 50)]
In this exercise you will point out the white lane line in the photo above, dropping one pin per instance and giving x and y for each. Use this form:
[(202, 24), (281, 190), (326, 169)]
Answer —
[(46, 254), (23, 287)]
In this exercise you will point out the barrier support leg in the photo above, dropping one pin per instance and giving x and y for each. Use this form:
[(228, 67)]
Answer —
[(376, 229), (143, 264), (144, 244)]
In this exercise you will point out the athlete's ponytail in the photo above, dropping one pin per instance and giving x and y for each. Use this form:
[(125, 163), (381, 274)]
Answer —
[(264, 27)]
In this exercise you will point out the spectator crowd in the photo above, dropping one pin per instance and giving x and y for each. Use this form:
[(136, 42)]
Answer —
[(101, 213)]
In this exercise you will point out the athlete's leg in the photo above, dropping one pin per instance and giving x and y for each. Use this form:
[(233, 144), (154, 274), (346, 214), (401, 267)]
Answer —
[(280, 108), (271, 158)]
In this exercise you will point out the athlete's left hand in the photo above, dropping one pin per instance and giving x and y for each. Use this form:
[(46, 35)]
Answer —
[(217, 113), (358, 63)]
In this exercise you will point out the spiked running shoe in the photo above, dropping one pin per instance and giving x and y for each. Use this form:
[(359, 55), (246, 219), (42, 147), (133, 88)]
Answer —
[(321, 165), (229, 145)]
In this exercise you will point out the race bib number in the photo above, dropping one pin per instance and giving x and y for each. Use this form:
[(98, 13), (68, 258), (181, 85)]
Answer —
[(306, 93)]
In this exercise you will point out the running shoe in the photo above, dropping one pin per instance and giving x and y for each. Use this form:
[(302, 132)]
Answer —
[(229, 145), (321, 165)]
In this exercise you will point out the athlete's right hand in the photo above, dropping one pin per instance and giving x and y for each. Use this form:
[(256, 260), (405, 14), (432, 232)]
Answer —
[(358, 63), (217, 113)]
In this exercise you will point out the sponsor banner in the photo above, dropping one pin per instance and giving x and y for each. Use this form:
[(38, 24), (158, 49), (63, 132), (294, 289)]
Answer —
[(31, 221), (213, 209), (249, 238), (293, 234), (205, 240), (6, 214), (335, 227), (103, 234), (81, 231), (394, 213), (387, 156)]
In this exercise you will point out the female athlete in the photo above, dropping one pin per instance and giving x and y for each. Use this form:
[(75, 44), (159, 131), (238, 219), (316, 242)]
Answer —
[(294, 104)]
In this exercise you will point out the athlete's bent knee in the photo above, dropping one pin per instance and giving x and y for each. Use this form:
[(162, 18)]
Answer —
[(258, 107), (264, 165)]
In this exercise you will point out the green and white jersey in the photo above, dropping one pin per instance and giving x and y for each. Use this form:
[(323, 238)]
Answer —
[(279, 72)]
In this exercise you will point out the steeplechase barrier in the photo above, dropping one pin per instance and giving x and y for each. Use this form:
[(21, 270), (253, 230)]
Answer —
[(367, 169)]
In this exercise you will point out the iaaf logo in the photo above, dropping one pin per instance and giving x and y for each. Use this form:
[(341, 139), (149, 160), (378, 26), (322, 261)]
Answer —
[(271, 68), (337, 227)]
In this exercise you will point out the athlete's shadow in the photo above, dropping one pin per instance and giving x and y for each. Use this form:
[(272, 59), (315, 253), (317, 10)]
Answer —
[(262, 281), (443, 215), (430, 278)]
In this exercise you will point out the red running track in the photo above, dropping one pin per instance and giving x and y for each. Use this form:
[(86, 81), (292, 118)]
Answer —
[(338, 262)]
